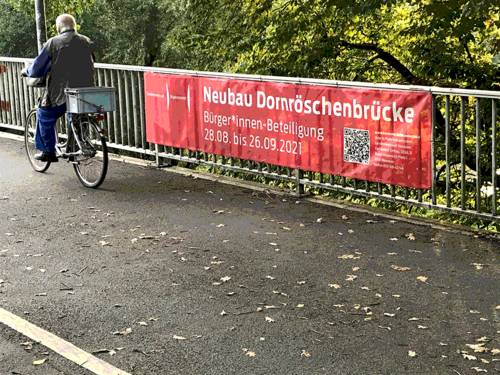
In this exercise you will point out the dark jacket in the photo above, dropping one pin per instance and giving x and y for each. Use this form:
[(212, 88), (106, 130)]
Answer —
[(67, 61)]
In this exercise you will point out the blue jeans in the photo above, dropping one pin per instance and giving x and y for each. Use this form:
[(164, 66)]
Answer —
[(46, 118)]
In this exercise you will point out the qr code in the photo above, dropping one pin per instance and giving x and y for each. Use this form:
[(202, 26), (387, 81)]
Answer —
[(356, 146)]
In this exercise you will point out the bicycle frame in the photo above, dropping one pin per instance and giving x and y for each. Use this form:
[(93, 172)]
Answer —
[(60, 152)]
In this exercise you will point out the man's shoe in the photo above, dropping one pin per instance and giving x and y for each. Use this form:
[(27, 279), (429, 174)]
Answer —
[(45, 156)]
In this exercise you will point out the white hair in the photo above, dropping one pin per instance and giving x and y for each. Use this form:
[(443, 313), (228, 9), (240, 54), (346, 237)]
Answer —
[(65, 22)]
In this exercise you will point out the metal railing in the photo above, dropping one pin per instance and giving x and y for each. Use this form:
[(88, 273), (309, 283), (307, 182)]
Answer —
[(464, 139)]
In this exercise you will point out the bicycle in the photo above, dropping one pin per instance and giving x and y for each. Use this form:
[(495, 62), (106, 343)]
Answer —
[(85, 144)]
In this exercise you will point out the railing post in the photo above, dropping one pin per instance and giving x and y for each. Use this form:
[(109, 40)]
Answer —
[(299, 189)]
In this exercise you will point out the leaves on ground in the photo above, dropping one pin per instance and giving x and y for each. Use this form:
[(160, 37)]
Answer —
[(40, 362), (400, 268)]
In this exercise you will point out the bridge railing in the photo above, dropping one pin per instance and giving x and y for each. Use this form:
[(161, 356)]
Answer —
[(465, 131)]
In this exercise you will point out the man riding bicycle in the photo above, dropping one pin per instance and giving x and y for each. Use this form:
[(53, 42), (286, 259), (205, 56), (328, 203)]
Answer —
[(66, 60)]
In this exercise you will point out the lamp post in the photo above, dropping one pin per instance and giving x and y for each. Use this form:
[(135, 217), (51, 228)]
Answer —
[(41, 30)]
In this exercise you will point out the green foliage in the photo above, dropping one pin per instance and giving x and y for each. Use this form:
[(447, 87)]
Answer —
[(17, 33)]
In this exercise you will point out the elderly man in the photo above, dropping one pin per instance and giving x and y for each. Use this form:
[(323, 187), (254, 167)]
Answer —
[(66, 60)]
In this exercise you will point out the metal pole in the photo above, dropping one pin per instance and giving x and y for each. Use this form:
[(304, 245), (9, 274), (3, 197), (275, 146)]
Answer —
[(41, 30)]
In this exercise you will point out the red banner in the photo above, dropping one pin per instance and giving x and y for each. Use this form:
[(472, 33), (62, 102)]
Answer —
[(375, 135)]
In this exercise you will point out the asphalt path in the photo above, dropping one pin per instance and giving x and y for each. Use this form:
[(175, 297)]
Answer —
[(160, 273)]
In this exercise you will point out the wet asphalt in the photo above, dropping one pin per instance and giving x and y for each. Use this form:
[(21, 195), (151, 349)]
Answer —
[(210, 278)]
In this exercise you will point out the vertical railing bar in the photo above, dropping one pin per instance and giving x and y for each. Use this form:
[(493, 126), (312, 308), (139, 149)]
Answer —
[(419, 195), (135, 109), (478, 155), (433, 150), (3, 97), (462, 152), (379, 188), (109, 116), (122, 108), (26, 99), (128, 107), (494, 156), (99, 77), (17, 97), (12, 118), (447, 149), (113, 74), (142, 110), (21, 84), (11, 98), (299, 187)]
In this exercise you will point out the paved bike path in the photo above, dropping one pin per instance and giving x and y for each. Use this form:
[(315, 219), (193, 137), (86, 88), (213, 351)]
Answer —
[(177, 275)]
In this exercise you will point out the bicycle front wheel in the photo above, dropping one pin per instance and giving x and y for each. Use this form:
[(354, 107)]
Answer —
[(91, 165), (29, 143)]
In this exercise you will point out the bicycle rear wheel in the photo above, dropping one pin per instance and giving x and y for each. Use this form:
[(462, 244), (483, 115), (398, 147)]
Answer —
[(29, 143), (91, 165)]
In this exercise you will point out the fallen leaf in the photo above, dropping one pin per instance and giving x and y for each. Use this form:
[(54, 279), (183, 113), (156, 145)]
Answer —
[(305, 353), (351, 277), (142, 324), (422, 327), (400, 268), (223, 313), (39, 362), (348, 256), (104, 243), (469, 357), (269, 319), (175, 337), (477, 369), (251, 354), (300, 305), (126, 332), (410, 236), (478, 266), (390, 315), (271, 307), (302, 282), (387, 328), (28, 345), (422, 278), (319, 220), (478, 348), (411, 353), (393, 239), (225, 279), (335, 286)]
